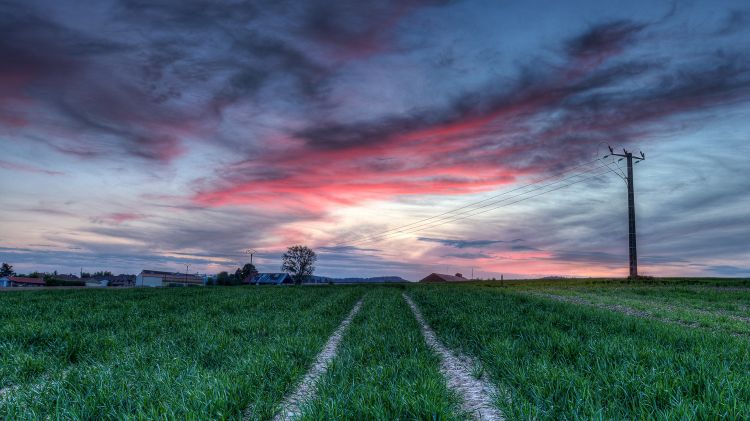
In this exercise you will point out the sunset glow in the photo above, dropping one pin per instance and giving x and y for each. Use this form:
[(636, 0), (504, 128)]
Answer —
[(157, 134)]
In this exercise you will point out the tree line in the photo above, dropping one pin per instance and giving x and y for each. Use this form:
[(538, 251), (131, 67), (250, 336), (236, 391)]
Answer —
[(298, 261)]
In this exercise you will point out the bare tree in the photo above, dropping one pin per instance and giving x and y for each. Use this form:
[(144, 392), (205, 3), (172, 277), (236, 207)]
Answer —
[(298, 261)]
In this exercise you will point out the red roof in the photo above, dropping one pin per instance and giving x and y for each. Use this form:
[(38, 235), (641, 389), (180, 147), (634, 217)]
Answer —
[(21, 280), (439, 277)]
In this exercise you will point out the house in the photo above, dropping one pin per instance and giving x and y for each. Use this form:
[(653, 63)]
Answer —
[(439, 277), (112, 280), (121, 280), (156, 278), (271, 279), (17, 281)]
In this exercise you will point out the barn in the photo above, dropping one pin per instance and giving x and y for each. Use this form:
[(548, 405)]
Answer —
[(18, 281), (440, 277)]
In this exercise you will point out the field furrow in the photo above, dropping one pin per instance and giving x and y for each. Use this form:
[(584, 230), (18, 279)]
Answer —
[(562, 349), (711, 309), (171, 353), (476, 393), (566, 361), (384, 369), (305, 392)]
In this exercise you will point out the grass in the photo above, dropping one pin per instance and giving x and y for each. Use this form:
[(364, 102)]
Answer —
[(210, 353), (384, 369), (202, 353), (565, 361), (725, 307)]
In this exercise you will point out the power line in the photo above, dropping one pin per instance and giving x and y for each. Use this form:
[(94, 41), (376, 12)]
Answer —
[(536, 195), (420, 222), (453, 219), (452, 216)]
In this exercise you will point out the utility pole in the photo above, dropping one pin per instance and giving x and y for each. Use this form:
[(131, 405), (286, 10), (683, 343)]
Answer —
[(631, 209), (250, 252), (187, 267)]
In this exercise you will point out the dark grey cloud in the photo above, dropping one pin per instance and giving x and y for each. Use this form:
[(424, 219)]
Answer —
[(731, 271), (735, 21), (594, 257), (520, 247), (159, 65), (537, 89), (467, 243), (196, 236), (469, 255), (71, 74), (561, 110), (220, 233), (160, 72), (604, 38), (357, 28), (124, 259), (348, 249)]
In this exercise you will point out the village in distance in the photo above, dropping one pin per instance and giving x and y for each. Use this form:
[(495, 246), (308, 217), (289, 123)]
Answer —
[(297, 268)]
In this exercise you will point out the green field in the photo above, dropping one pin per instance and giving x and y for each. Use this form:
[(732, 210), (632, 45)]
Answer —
[(384, 369), (668, 349), (169, 353), (564, 360), (708, 305)]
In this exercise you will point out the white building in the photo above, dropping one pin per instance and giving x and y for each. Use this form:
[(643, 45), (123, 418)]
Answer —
[(155, 278)]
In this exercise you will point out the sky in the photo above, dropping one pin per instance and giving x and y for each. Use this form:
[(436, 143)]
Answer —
[(155, 134)]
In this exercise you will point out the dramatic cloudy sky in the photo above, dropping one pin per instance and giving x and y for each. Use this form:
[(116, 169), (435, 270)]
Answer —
[(151, 134)]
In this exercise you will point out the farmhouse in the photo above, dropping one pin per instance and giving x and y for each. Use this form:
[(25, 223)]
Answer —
[(17, 281), (271, 279), (439, 277), (112, 280), (156, 278)]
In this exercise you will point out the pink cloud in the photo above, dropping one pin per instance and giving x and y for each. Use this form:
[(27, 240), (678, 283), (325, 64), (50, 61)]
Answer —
[(118, 218), (27, 168)]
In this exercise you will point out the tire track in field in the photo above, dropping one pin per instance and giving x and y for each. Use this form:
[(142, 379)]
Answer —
[(629, 311), (477, 395), (617, 308), (291, 406)]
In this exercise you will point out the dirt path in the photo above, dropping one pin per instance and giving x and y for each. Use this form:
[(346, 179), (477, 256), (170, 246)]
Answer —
[(477, 395), (645, 314), (305, 392)]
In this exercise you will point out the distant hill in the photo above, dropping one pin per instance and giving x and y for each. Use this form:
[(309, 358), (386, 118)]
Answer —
[(373, 280)]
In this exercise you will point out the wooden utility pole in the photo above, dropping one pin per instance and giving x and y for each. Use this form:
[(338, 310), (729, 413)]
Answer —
[(631, 209)]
